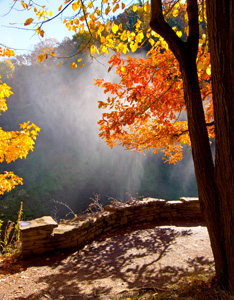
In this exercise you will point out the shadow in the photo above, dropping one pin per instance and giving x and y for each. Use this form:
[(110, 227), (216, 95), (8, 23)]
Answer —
[(201, 263), (15, 265), (122, 262), (69, 293)]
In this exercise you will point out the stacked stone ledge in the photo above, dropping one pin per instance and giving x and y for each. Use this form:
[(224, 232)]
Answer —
[(44, 234)]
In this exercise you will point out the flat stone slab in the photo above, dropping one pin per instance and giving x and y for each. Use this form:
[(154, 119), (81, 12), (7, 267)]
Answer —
[(62, 228), (39, 223)]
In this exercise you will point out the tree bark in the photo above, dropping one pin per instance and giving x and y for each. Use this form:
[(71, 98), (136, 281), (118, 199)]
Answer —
[(221, 38), (215, 182)]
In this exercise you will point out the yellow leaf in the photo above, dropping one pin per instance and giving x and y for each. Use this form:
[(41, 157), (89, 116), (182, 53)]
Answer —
[(123, 69), (53, 54), (151, 41), (124, 36), (73, 65), (28, 21), (133, 47), (147, 7), (79, 60), (93, 49), (104, 49), (39, 31), (114, 28), (200, 42), (50, 13), (103, 39), (104, 1), (60, 7), (208, 71), (82, 28), (40, 58), (200, 65), (175, 13), (12, 53), (138, 24), (179, 33), (139, 37), (75, 6), (134, 8), (90, 4)]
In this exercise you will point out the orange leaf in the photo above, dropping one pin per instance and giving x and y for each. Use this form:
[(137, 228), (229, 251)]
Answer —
[(40, 58), (28, 22), (82, 65)]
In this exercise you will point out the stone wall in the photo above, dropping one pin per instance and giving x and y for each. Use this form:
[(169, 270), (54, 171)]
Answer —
[(44, 234)]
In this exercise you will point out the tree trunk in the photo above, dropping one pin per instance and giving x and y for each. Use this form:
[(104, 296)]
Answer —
[(221, 38), (203, 164), (215, 183)]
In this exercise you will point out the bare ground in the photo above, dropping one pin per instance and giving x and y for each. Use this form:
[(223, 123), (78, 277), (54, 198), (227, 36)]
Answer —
[(132, 259)]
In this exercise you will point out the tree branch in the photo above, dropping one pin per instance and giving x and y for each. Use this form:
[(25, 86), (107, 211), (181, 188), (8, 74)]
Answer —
[(177, 46), (59, 13), (159, 25)]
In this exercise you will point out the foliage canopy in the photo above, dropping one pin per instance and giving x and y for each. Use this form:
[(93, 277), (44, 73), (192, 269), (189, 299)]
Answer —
[(146, 109)]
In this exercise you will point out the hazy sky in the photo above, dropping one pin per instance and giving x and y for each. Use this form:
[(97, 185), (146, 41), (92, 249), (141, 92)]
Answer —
[(15, 38)]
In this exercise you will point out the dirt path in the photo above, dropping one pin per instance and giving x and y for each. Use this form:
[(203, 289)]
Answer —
[(143, 258)]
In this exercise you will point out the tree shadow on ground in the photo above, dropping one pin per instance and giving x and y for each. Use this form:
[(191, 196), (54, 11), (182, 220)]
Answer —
[(121, 262)]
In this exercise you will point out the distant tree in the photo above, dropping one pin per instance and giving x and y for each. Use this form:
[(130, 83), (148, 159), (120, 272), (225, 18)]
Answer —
[(6, 68)]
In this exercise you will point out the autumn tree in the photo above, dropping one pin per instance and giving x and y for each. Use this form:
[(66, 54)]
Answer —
[(13, 144), (138, 122), (214, 177)]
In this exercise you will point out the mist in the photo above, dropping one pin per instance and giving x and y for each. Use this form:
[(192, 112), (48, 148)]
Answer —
[(70, 162)]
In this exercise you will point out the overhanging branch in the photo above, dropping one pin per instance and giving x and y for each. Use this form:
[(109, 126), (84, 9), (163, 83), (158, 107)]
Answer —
[(159, 25), (178, 47)]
